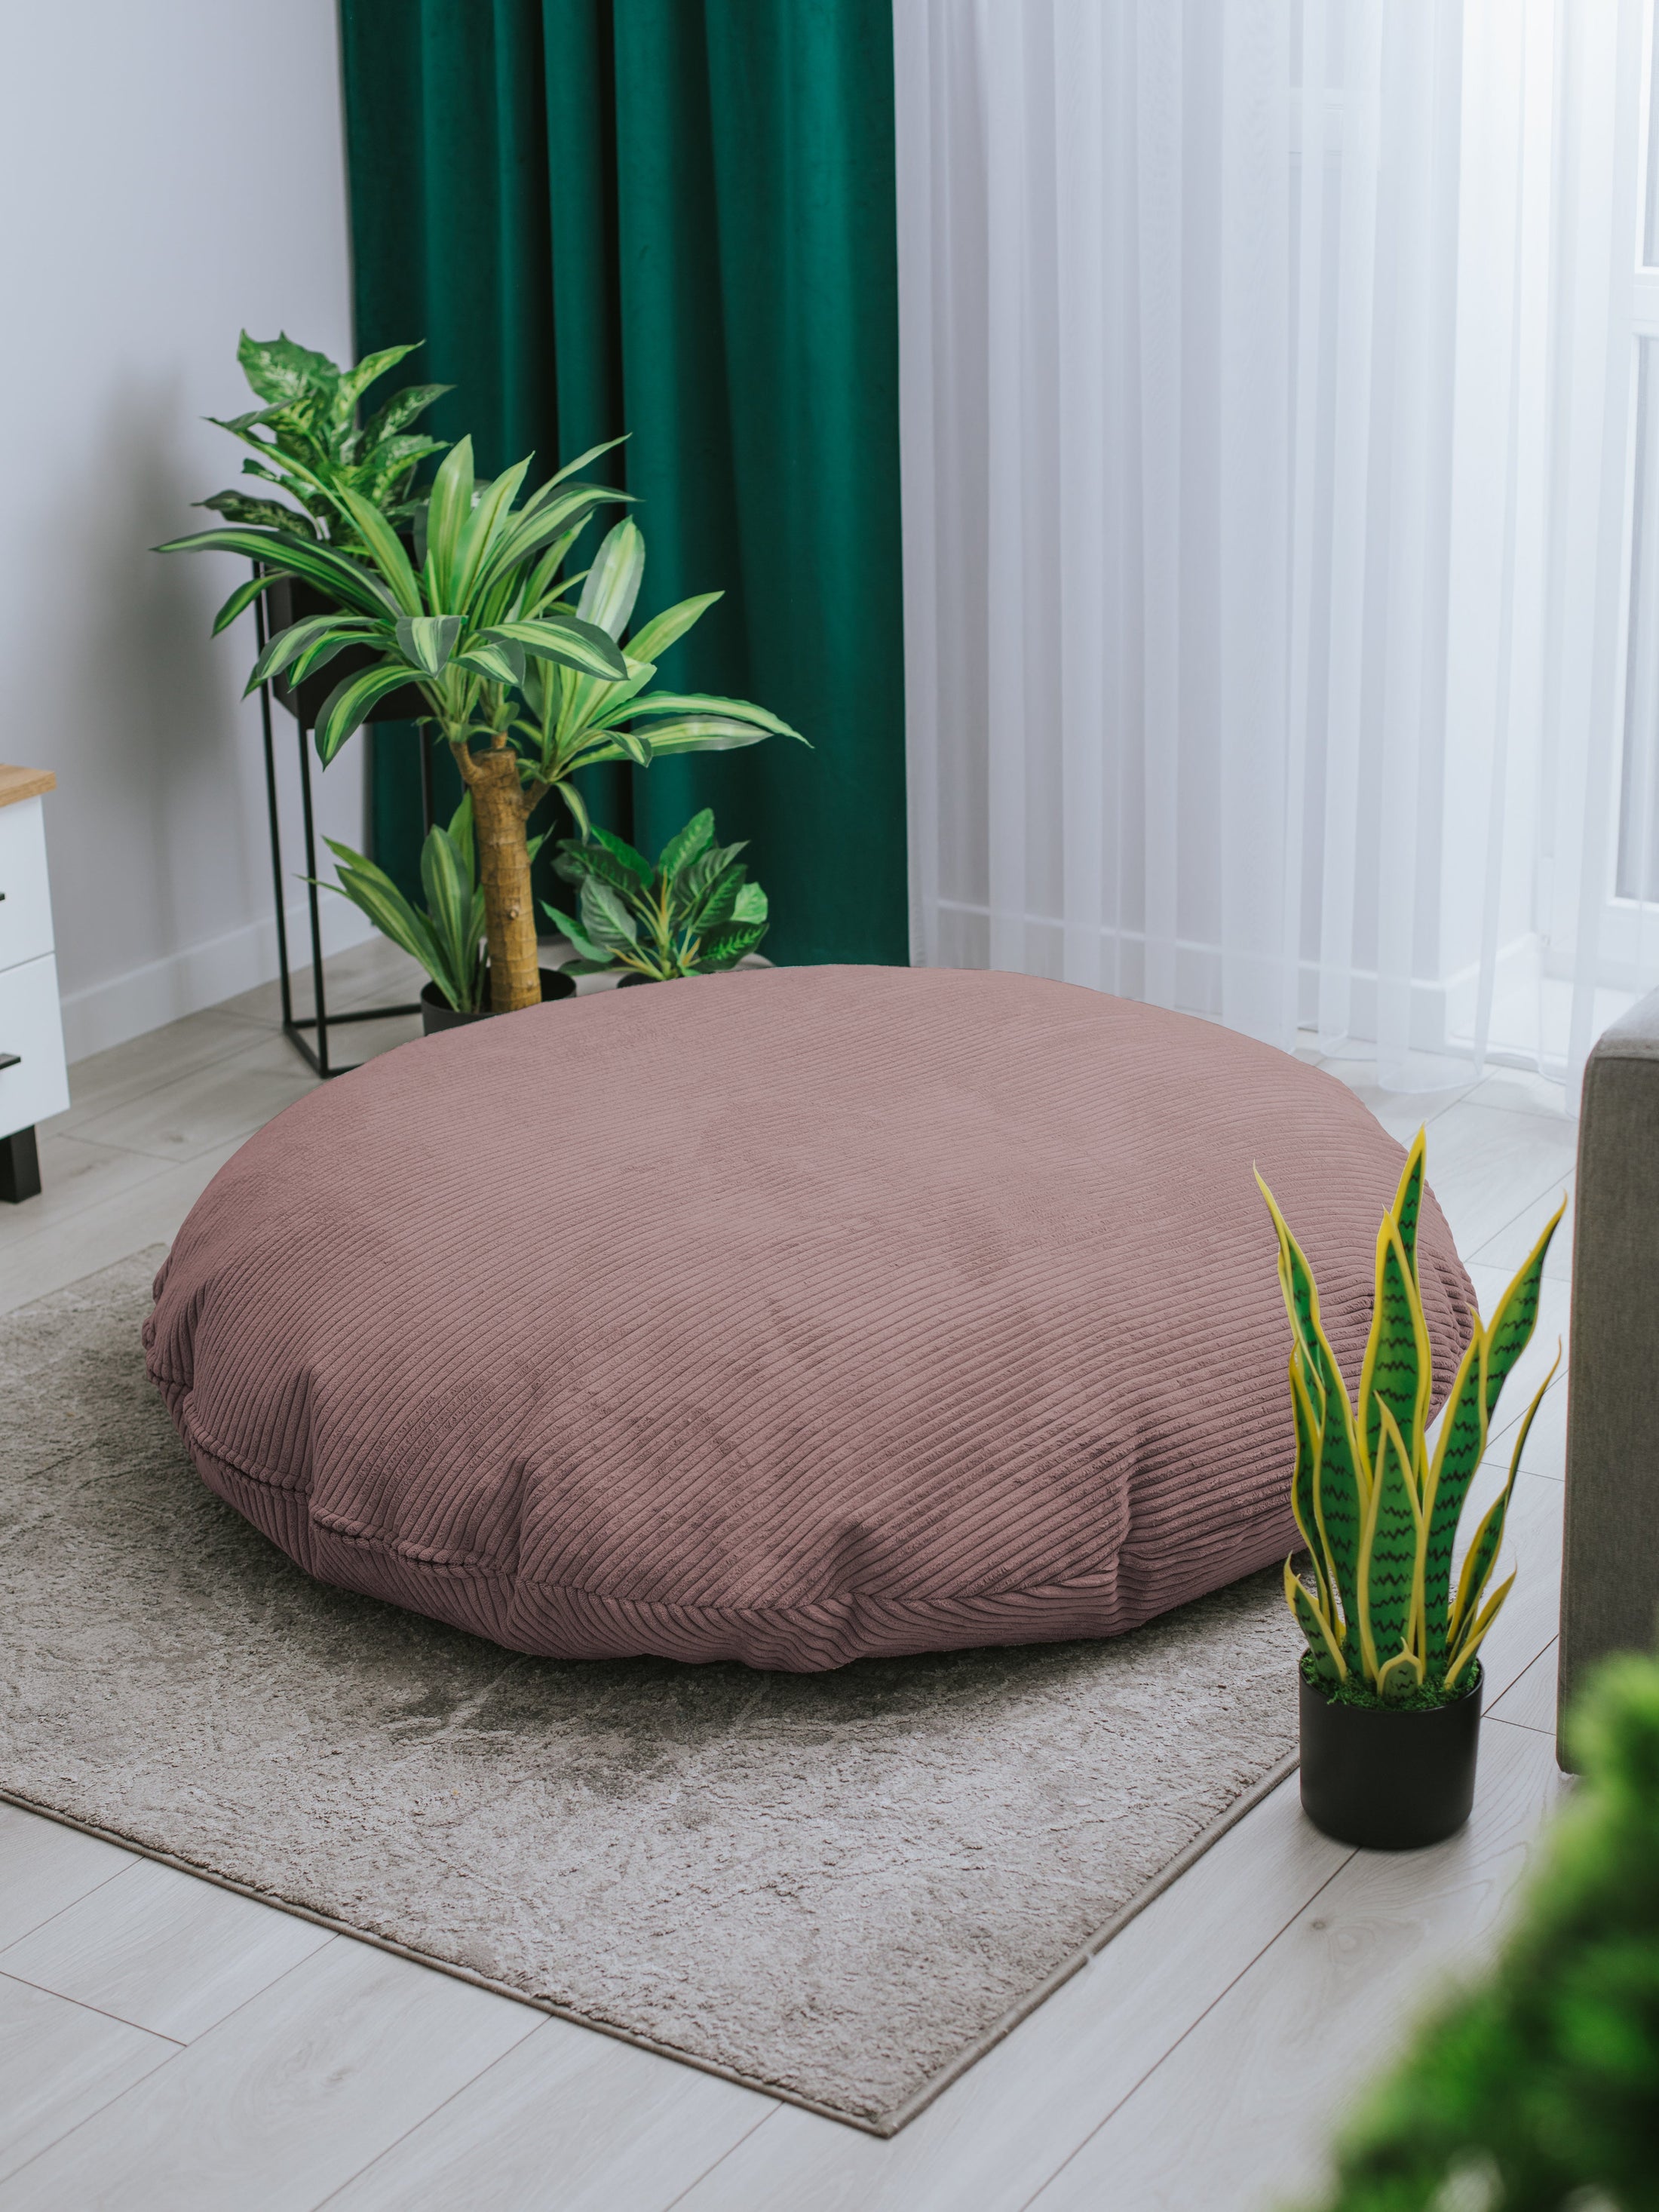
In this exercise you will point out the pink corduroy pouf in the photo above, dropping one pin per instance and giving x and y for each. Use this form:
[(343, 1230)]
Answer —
[(788, 1316)]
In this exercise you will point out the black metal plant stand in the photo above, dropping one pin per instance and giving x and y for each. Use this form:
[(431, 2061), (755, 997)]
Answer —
[(295, 1025)]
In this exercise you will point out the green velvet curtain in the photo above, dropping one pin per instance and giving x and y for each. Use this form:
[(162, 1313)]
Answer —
[(674, 217)]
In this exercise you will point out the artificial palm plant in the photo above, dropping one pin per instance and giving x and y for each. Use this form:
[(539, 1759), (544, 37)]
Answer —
[(1378, 1509), (523, 688), (310, 444)]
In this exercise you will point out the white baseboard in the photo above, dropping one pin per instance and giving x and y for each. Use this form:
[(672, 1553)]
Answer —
[(102, 1014)]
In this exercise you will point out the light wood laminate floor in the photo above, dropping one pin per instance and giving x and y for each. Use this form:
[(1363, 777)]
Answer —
[(165, 2044)]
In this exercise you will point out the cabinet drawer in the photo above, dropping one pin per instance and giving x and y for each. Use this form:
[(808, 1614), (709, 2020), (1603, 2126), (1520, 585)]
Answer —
[(25, 901), (32, 1027)]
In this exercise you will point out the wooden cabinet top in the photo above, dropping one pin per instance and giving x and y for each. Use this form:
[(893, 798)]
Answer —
[(24, 783)]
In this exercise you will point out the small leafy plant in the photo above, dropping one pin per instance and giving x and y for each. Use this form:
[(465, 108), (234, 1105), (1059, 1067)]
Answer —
[(447, 935), (694, 913), (1377, 1512), (311, 445)]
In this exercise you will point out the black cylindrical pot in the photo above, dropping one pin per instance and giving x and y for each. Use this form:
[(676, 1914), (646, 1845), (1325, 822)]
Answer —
[(290, 600), (1389, 1781), (437, 1013)]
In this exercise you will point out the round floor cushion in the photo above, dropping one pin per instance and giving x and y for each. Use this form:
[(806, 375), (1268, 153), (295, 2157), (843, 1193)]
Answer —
[(785, 1315)]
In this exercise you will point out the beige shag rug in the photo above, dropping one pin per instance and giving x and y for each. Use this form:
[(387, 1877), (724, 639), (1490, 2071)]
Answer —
[(838, 1888)]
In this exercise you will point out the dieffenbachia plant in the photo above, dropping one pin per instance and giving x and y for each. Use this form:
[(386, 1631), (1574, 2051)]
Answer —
[(693, 913), (476, 627), (1377, 1510), (310, 444)]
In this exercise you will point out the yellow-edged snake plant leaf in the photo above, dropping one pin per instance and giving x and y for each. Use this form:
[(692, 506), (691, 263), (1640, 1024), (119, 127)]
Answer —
[(1305, 1485), (1510, 1329), (1470, 1643), (1328, 1663), (1458, 1453), (1396, 1372), (1408, 1199), (1388, 1551), (1340, 1493)]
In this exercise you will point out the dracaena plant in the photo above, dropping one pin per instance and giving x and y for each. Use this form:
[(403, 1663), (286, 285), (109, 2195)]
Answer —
[(1377, 1508), (693, 913), (481, 626), (486, 598), (446, 936), (311, 445)]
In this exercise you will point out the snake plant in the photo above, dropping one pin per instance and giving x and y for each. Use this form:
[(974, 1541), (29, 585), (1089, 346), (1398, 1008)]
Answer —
[(691, 914), (311, 445), (1377, 1508)]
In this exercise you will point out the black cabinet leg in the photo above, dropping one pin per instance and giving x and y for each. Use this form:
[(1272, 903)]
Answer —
[(20, 1167)]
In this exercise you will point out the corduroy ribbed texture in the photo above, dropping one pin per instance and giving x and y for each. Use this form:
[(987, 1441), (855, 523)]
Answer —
[(786, 1316)]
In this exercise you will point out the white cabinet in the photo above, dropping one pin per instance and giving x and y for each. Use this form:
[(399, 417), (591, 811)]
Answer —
[(33, 1081)]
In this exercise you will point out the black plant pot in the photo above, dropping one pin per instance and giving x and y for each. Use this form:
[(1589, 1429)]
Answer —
[(288, 601), (1389, 1781), (437, 1013)]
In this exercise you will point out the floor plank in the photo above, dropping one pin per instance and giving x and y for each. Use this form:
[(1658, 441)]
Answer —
[(128, 1071), (994, 2136), (49, 1258), (277, 2106), (1486, 1165), (567, 2121), (45, 1867), (1529, 1701), (61, 2063), (1240, 2113), (162, 1950), (1509, 1249), (207, 1107)]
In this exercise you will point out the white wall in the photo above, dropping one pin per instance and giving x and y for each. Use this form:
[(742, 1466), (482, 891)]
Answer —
[(170, 172)]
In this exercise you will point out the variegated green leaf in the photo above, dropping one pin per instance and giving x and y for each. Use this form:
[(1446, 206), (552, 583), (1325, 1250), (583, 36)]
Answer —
[(568, 640), (498, 660), (385, 549), (707, 705), (653, 638), (613, 581), (347, 706), (426, 641), (446, 512)]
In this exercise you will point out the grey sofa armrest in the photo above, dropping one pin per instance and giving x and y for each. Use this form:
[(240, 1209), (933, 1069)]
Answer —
[(1610, 1564)]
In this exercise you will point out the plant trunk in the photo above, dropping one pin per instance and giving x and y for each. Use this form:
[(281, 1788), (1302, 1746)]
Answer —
[(498, 824)]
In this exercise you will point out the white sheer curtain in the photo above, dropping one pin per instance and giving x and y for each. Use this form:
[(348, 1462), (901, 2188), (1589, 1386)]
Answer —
[(1269, 400)]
